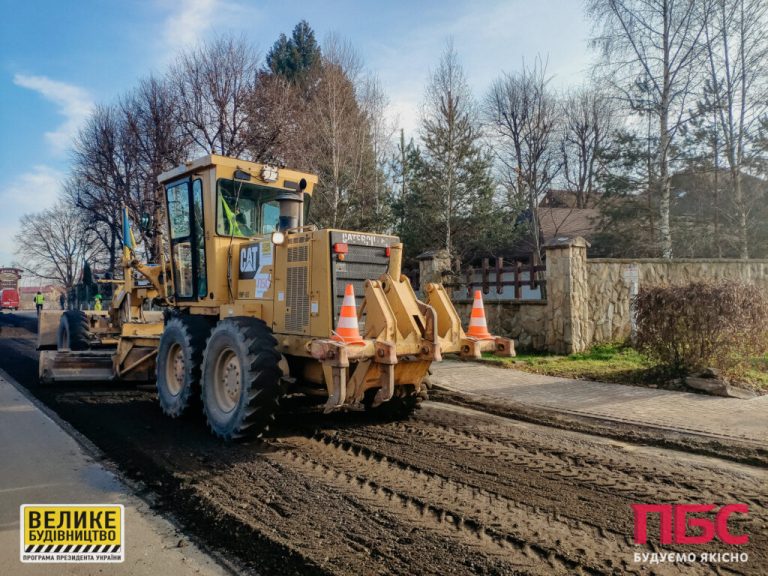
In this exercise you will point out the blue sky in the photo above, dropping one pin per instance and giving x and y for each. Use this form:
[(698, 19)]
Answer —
[(60, 57)]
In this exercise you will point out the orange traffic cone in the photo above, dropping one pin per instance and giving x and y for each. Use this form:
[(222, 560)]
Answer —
[(477, 325), (348, 331)]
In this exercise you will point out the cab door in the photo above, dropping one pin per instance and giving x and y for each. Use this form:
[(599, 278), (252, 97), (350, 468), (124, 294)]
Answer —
[(184, 200)]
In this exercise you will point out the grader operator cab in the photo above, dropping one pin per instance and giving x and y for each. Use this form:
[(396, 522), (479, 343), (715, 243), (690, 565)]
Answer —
[(257, 303)]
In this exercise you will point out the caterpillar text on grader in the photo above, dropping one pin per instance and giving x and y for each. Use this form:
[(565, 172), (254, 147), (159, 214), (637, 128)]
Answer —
[(253, 306)]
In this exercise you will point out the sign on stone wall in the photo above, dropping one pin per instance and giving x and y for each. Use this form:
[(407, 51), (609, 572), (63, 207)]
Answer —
[(631, 275)]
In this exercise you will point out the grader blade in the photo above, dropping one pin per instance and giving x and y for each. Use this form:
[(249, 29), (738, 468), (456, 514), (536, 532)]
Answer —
[(85, 366), (47, 329)]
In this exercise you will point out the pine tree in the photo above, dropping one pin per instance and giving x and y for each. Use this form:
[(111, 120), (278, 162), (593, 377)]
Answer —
[(280, 56), (414, 205), (295, 57), (627, 226)]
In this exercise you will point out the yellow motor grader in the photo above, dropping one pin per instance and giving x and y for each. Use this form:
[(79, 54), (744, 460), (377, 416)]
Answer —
[(251, 297)]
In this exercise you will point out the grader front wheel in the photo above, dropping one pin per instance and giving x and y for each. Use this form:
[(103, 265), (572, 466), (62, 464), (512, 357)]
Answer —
[(241, 378), (178, 363)]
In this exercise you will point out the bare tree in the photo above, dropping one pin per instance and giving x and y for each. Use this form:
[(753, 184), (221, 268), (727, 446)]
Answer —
[(524, 117), (588, 121), (275, 131), (339, 147), (737, 55), (654, 44), (374, 103), (105, 170), (213, 84), (149, 118), (55, 244)]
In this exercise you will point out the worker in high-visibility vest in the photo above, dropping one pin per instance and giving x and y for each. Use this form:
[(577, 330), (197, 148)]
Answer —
[(39, 301), (97, 302), (232, 223)]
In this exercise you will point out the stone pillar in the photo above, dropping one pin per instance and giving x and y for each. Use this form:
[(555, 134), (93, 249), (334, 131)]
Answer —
[(567, 328), (431, 267)]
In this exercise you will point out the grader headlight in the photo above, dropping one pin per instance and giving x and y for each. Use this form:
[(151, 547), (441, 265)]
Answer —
[(278, 238)]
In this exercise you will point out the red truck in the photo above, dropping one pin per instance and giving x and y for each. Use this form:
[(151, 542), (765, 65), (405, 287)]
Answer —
[(9, 299)]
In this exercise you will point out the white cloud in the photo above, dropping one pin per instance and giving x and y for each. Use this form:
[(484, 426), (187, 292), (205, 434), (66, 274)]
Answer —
[(32, 191), (73, 103), (192, 21), (187, 25), (403, 110), (37, 189)]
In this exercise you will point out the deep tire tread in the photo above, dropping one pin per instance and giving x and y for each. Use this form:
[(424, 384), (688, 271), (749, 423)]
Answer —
[(262, 380), (194, 332)]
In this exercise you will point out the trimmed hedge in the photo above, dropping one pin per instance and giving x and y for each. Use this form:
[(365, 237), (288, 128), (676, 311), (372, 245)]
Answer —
[(688, 328)]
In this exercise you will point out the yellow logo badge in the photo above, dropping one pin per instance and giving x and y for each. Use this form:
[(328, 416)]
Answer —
[(72, 533)]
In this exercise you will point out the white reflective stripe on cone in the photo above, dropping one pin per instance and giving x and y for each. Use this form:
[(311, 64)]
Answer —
[(347, 322)]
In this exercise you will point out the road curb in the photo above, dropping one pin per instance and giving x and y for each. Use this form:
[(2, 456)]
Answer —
[(133, 488), (743, 451)]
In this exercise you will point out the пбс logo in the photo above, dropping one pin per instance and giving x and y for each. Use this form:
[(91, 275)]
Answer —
[(675, 522)]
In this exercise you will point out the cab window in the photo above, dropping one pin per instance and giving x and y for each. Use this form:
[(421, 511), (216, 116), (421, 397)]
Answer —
[(185, 216), (244, 210)]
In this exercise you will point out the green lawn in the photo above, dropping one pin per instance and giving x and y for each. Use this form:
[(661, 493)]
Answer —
[(616, 363), (606, 362), (757, 373)]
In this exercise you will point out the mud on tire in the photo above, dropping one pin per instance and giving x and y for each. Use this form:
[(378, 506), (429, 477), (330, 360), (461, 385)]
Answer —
[(73, 332), (241, 378), (179, 358)]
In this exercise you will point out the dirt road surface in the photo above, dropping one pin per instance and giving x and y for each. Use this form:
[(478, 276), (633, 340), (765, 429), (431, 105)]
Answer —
[(451, 490)]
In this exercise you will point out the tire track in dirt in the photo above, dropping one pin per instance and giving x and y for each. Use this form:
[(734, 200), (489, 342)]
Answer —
[(607, 480), (340, 531), (502, 527), (592, 467)]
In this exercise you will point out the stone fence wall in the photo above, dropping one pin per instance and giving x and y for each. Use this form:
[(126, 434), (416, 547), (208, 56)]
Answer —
[(521, 320), (590, 301), (612, 282)]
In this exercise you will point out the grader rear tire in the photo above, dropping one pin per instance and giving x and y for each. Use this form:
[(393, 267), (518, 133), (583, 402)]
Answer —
[(241, 378), (73, 332), (179, 358)]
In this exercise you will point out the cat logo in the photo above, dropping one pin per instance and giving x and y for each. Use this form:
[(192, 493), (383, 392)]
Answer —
[(249, 261)]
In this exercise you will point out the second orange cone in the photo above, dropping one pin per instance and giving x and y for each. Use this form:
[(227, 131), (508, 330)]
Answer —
[(348, 330), (478, 328)]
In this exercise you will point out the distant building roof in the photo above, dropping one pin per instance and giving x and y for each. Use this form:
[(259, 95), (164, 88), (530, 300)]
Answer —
[(570, 222), (554, 223), (555, 198)]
